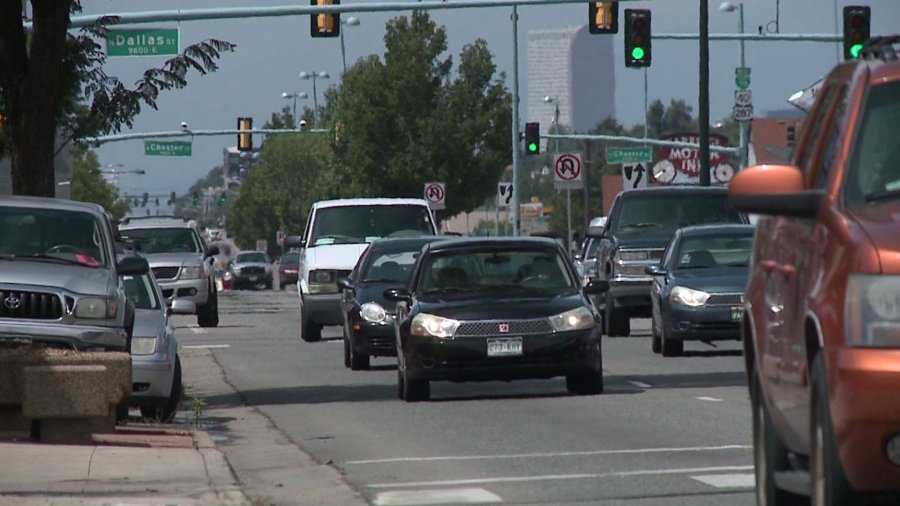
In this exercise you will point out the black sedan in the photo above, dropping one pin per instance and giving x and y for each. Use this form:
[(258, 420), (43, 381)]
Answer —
[(368, 316), (698, 286), (496, 309)]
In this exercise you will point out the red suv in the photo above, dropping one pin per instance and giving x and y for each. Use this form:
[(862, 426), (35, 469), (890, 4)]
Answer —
[(821, 321)]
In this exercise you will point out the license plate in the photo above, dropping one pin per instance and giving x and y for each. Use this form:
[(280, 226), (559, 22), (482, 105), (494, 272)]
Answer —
[(736, 313), (504, 347), (253, 278)]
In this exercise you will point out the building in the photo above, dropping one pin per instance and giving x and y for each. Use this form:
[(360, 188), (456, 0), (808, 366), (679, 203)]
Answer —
[(576, 68)]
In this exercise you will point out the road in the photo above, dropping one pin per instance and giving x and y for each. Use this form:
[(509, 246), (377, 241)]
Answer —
[(667, 431)]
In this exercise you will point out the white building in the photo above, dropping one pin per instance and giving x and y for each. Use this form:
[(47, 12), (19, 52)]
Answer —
[(578, 68)]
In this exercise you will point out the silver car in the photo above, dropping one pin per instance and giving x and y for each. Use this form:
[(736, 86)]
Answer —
[(156, 368), (251, 268)]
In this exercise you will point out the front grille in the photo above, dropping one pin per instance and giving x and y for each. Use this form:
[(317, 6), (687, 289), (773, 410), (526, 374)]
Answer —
[(380, 342), (492, 328), (252, 270), (30, 305), (165, 272), (725, 299)]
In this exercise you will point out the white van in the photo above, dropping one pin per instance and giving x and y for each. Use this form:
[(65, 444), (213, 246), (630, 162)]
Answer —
[(336, 234)]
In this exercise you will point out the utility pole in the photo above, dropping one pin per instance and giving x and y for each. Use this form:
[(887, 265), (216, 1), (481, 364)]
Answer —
[(515, 122), (704, 93)]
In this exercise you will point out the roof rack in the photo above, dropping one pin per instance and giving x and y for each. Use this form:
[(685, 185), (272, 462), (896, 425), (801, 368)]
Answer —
[(880, 48)]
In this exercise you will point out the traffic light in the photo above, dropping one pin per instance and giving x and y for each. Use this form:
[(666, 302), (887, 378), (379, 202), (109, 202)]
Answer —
[(637, 38), (245, 140), (223, 199), (532, 138), (324, 25), (603, 17), (857, 20)]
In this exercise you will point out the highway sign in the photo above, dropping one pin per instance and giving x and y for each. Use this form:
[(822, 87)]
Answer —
[(742, 113), (567, 171), (142, 42), (435, 195), (742, 77), (167, 148), (634, 175), (504, 195), (629, 155), (743, 98)]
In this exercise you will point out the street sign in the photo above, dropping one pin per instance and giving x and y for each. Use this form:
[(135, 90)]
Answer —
[(167, 148), (435, 194), (279, 237), (742, 77), (142, 42), (567, 171), (629, 155), (504, 195), (742, 113), (634, 175), (743, 98)]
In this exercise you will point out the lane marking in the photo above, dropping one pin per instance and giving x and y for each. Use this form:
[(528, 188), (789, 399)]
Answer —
[(198, 330), (553, 454), (743, 480), (710, 399), (205, 346), (423, 497), (641, 384), (559, 477)]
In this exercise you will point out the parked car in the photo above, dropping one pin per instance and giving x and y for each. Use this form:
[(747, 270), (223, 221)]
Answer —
[(496, 309), (59, 276), (288, 268), (336, 234), (368, 316), (698, 286), (641, 223), (250, 269), (821, 320), (156, 368), (586, 258), (181, 260)]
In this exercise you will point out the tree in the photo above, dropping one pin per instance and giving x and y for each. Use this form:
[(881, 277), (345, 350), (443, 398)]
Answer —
[(47, 73), (88, 185)]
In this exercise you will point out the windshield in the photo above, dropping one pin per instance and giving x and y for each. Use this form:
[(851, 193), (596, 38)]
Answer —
[(359, 224), (140, 292), (496, 269), (390, 266), (874, 170), (255, 257), (663, 213), (164, 240), (703, 252), (290, 258), (52, 235)]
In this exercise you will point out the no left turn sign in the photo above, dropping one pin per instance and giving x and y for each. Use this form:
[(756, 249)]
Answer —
[(434, 194), (567, 171)]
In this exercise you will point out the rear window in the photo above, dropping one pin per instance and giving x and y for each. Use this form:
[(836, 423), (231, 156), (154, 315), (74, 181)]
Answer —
[(731, 250), (164, 240), (874, 170), (254, 256), (653, 212), (361, 224)]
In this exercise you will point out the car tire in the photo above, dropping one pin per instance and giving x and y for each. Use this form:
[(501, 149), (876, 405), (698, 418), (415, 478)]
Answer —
[(358, 361), (828, 482), (414, 390), (400, 391), (269, 284), (166, 413), (670, 347), (310, 331), (585, 384), (769, 454), (655, 339), (208, 314), (346, 353), (617, 321)]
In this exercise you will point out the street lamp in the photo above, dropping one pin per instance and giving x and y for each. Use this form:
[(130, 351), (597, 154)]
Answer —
[(315, 75), (728, 6), (350, 21), (285, 95)]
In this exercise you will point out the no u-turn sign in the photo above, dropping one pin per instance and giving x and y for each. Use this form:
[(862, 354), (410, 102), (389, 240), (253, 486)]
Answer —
[(435, 195)]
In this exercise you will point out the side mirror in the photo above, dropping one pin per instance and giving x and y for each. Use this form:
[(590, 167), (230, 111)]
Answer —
[(182, 306), (655, 270), (132, 266), (345, 284), (773, 190), (293, 241), (595, 286), (397, 295)]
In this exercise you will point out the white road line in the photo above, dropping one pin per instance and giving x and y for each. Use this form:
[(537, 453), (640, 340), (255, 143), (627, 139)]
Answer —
[(743, 480), (205, 346), (710, 399), (198, 330), (641, 384), (446, 496), (553, 454), (558, 477)]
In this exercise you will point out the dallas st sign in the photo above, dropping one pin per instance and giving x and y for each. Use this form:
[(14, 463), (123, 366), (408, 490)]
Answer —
[(142, 42)]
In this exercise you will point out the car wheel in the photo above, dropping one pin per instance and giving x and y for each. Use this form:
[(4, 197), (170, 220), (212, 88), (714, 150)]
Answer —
[(829, 483), (617, 321), (670, 347), (166, 413), (121, 412), (346, 353), (208, 314), (769, 454), (414, 390), (269, 284), (655, 339), (358, 361), (310, 331), (400, 392), (585, 384)]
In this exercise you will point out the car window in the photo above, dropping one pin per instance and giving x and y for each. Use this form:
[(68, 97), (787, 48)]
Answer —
[(165, 240), (874, 169), (254, 256), (68, 236), (390, 266), (836, 129), (140, 292), (655, 212), (358, 224), (701, 252), (496, 270), (290, 258), (815, 123)]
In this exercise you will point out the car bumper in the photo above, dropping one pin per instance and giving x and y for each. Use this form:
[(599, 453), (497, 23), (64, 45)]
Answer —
[(630, 292), (715, 323), (324, 309), (194, 290), (543, 356), (77, 336), (865, 410), (152, 380), (246, 279), (375, 339)]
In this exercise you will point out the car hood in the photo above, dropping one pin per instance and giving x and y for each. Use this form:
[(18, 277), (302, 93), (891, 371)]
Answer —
[(74, 278), (498, 307), (149, 322), (335, 256), (880, 224), (161, 259), (713, 280)]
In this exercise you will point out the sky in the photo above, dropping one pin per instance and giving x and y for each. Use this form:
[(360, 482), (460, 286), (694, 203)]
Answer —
[(271, 52)]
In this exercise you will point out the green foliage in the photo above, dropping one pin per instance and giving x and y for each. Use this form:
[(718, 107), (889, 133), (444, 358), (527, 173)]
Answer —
[(88, 185)]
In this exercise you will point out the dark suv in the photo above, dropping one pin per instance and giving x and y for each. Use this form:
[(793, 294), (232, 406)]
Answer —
[(641, 222)]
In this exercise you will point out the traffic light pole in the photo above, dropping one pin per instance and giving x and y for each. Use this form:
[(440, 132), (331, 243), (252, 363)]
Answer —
[(515, 122), (703, 120)]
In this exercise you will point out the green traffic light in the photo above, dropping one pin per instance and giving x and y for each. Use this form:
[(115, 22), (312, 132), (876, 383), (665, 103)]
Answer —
[(855, 49), (637, 53), (532, 148)]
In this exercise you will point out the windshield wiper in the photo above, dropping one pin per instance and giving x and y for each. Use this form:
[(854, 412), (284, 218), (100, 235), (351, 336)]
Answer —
[(882, 195), (381, 280), (642, 225), (434, 291)]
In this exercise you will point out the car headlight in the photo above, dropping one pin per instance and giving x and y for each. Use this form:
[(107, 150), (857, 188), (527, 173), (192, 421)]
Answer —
[(577, 319), (684, 296), (143, 345), (429, 325), (321, 276), (322, 281), (191, 272), (872, 311), (96, 308), (634, 255), (372, 312)]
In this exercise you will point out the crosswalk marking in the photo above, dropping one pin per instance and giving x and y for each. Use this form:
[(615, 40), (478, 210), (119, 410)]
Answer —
[(742, 480), (436, 496)]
